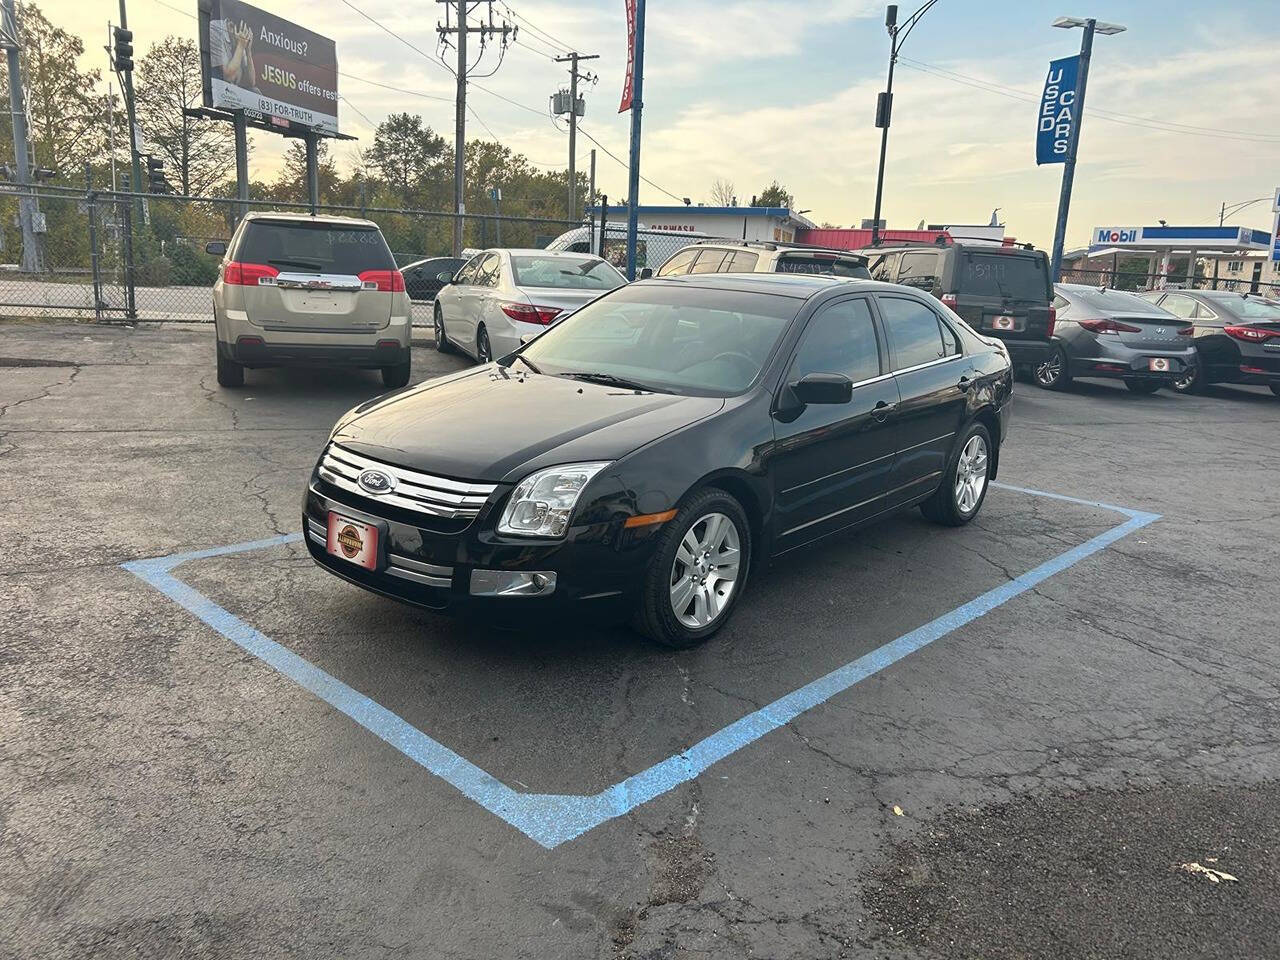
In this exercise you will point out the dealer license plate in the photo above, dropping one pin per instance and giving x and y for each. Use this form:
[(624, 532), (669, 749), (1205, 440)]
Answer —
[(1004, 323), (353, 541), (1158, 364)]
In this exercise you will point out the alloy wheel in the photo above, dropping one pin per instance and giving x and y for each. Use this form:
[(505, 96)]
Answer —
[(1048, 372), (971, 474), (439, 326), (705, 571), (483, 352)]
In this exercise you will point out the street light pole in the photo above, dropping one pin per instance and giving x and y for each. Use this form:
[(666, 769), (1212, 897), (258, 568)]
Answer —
[(1222, 217), (884, 102)]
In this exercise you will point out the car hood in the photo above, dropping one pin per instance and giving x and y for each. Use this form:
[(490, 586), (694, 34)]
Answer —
[(496, 424)]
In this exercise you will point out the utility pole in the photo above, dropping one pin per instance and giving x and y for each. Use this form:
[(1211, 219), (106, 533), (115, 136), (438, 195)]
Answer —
[(591, 180), (576, 110), (461, 9), (32, 242), (633, 172)]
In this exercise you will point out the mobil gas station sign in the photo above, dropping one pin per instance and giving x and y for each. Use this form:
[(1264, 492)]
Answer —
[(1115, 236)]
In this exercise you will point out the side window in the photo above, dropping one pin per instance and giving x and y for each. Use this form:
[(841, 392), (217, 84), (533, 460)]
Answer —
[(884, 267), (841, 338), (709, 261), (915, 333), (919, 269), (579, 247), (1179, 306), (678, 264), (487, 274), (1204, 313), (468, 273), (740, 261), (950, 341)]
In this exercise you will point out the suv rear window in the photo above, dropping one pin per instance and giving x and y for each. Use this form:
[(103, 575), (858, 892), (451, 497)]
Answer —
[(819, 263), (314, 247), (1003, 275)]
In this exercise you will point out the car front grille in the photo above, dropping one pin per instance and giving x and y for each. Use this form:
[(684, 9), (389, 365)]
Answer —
[(413, 491)]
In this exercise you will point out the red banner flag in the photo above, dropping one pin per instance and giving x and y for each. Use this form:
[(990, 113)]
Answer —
[(631, 56)]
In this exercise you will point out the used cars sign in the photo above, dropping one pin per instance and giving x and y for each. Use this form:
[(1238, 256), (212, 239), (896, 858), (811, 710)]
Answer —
[(254, 60), (1057, 111)]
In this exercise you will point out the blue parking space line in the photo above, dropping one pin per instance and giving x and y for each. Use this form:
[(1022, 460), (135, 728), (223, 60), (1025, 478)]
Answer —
[(552, 819)]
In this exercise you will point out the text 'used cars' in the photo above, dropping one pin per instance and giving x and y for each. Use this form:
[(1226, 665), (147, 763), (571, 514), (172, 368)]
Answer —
[(650, 451)]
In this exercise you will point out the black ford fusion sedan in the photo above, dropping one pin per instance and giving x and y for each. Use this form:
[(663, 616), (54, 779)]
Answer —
[(649, 452)]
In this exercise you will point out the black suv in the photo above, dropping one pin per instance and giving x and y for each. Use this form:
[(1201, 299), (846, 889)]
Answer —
[(1000, 291)]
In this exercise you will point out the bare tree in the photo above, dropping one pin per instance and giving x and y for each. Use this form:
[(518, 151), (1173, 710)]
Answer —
[(722, 193)]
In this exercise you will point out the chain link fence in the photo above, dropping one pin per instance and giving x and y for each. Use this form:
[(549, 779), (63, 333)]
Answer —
[(116, 255), (1140, 281)]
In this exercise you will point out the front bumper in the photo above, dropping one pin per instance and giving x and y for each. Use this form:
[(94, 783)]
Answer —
[(451, 565), (254, 352)]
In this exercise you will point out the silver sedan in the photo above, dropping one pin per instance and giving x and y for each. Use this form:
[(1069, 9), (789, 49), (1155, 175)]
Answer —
[(502, 297)]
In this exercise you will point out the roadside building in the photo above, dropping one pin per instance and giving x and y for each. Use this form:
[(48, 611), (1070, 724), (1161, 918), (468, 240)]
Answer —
[(747, 223)]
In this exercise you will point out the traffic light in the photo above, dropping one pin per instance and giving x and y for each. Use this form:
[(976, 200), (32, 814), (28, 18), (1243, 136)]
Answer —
[(156, 183), (124, 50)]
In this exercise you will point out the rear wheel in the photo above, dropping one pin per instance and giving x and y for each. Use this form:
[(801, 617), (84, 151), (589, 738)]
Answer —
[(484, 353), (1190, 382), (230, 373), (1142, 386), (396, 376), (698, 571), (1053, 373), (442, 339), (964, 485), (1275, 388)]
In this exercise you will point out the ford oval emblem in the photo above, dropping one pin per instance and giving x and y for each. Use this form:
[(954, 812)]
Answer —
[(376, 482)]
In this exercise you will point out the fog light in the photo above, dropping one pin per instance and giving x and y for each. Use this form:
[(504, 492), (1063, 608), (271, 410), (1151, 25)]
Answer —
[(512, 583)]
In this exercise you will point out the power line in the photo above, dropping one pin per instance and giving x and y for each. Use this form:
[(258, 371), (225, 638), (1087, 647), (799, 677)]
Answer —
[(624, 164), (533, 28), (1111, 116)]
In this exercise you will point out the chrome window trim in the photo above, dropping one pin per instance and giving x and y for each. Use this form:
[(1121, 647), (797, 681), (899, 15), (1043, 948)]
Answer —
[(930, 363)]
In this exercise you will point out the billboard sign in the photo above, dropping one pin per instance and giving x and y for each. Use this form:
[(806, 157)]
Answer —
[(255, 61), (1057, 117)]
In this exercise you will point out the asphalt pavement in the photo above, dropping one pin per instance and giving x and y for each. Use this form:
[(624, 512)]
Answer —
[(1032, 781)]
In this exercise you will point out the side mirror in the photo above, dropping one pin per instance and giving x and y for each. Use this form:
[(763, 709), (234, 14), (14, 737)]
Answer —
[(216, 248), (823, 388), (445, 276), (646, 273)]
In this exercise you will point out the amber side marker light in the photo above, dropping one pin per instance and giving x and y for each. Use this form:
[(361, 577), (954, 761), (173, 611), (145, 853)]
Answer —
[(648, 519)]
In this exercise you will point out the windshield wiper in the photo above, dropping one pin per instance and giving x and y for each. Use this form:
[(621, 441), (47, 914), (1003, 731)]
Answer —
[(305, 264), (609, 380), (527, 362)]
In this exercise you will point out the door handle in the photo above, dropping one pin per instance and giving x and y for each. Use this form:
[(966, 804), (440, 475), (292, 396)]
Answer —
[(882, 410)]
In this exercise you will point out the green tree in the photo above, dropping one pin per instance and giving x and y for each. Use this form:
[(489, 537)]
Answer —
[(775, 195), (200, 154), (291, 184), (411, 157)]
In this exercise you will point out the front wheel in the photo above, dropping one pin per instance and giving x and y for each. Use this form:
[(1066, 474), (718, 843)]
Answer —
[(1275, 388), (1142, 386), (964, 485), (442, 339), (1053, 373), (698, 571)]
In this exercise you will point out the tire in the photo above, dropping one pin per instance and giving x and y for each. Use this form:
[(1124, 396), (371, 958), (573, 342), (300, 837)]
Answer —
[(1193, 382), (954, 507), (657, 617), (442, 339), (1054, 373), (1275, 388), (484, 352), (230, 373), (395, 377), (1142, 386)]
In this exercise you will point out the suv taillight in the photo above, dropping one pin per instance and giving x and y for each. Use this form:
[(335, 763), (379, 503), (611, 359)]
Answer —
[(1053, 319), (388, 281), (949, 301), (528, 313), (248, 274)]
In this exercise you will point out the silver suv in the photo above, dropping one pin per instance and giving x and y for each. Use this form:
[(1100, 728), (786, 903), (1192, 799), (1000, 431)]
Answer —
[(296, 289), (763, 256)]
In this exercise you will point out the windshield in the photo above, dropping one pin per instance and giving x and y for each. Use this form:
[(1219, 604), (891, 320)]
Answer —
[(314, 247), (668, 337), (1112, 301), (1248, 308), (1003, 275), (569, 273), (823, 264)]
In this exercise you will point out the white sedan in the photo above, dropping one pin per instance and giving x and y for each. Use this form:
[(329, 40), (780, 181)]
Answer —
[(502, 297)]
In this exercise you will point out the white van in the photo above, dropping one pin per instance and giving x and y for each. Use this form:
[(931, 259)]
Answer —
[(653, 247)]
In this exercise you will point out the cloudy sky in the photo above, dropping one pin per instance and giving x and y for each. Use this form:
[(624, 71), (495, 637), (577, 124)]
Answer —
[(750, 90)]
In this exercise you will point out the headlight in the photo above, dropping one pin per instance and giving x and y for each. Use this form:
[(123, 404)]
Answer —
[(541, 504)]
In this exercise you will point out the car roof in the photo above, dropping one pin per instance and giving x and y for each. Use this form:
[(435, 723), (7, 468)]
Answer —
[(801, 285), (539, 252), (267, 216), (418, 263), (774, 245)]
